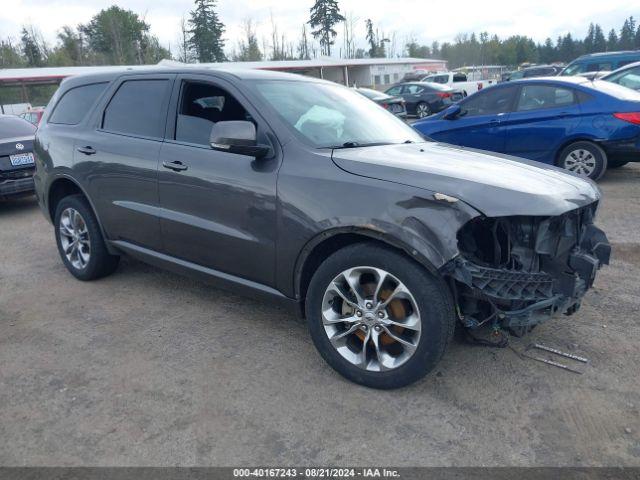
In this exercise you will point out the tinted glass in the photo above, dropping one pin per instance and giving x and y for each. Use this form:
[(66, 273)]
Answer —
[(137, 108), (413, 89), (394, 90), (325, 115), (15, 127), (489, 102), (536, 97), (75, 103), (459, 77)]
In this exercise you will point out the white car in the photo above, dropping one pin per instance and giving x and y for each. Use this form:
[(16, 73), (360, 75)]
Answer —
[(458, 81)]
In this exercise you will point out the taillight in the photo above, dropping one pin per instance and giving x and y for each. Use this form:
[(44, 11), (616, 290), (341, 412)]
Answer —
[(443, 94), (631, 117), (385, 105)]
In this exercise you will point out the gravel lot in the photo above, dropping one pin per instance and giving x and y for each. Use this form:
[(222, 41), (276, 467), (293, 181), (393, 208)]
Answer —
[(149, 368)]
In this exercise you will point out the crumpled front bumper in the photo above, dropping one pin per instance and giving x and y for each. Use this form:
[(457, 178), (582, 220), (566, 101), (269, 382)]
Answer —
[(524, 299)]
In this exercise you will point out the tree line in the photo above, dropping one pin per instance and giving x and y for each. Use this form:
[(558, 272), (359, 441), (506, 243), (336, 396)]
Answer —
[(116, 36)]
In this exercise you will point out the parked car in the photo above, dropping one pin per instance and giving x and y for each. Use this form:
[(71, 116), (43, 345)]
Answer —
[(627, 76), (16, 156), (395, 105), (458, 81), (33, 115), (304, 192), (532, 72), (423, 98), (580, 125), (601, 62)]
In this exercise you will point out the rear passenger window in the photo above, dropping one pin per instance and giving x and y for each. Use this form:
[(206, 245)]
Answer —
[(536, 97), (137, 109), (75, 103)]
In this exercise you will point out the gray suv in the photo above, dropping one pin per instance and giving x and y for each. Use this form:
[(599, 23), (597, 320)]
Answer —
[(304, 192)]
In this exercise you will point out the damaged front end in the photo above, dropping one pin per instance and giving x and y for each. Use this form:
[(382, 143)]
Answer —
[(515, 272)]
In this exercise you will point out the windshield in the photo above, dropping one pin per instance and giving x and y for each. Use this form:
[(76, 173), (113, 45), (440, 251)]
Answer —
[(332, 116), (573, 69)]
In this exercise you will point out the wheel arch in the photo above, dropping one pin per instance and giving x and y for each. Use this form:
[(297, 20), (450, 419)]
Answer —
[(326, 243), (63, 186)]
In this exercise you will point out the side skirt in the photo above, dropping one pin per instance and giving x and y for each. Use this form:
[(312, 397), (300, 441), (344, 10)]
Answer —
[(219, 279)]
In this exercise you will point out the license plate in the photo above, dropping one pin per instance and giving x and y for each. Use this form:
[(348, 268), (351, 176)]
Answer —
[(21, 159)]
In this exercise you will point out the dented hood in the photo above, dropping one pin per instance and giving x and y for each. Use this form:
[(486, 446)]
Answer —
[(494, 184)]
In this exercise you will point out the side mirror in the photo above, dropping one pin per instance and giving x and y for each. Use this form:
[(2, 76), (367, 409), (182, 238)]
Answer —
[(452, 112), (237, 136)]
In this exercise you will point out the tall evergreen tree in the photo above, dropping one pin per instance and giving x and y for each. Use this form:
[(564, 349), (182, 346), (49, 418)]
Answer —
[(325, 14), (627, 34), (612, 40), (599, 42), (206, 32)]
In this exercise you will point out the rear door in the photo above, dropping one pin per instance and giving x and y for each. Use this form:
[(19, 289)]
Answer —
[(544, 117), (482, 120), (118, 155)]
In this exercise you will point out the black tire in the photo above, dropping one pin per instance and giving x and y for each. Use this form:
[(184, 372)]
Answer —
[(616, 164), (597, 153), (433, 299), (101, 263), (423, 110)]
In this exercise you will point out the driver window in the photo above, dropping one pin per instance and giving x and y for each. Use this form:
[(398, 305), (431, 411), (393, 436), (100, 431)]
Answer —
[(202, 105)]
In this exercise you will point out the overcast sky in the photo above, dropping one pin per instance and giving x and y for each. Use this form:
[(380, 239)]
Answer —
[(425, 20)]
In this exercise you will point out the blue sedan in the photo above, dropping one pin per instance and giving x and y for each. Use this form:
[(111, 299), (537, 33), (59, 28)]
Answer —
[(581, 125)]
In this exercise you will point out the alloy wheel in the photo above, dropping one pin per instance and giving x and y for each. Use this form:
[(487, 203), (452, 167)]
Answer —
[(423, 110), (580, 161), (74, 238), (371, 318)]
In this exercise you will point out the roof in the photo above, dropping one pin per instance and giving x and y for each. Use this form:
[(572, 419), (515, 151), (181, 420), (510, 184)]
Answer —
[(610, 54), (47, 74)]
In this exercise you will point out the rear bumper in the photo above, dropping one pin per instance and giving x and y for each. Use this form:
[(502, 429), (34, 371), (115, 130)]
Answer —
[(623, 150), (16, 187)]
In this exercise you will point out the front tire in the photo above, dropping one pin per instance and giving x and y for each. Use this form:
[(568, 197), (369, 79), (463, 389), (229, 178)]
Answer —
[(377, 317), (80, 241), (584, 158)]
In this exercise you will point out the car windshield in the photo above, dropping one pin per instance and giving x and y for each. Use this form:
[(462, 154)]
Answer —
[(11, 127), (573, 69), (332, 116), (615, 90)]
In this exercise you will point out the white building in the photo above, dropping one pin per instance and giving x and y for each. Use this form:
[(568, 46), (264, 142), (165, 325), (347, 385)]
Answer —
[(371, 72)]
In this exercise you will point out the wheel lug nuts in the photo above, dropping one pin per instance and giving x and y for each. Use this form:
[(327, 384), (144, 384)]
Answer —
[(365, 328), (377, 328), (358, 313), (369, 304), (380, 314)]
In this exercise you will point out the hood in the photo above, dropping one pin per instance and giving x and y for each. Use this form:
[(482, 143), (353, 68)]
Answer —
[(496, 185)]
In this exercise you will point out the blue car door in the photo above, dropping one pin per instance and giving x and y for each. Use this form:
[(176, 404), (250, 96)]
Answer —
[(544, 116), (481, 121)]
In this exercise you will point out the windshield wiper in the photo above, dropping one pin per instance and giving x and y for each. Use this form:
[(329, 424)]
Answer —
[(353, 144)]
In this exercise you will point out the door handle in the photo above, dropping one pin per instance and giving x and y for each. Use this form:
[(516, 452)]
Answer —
[(87, 150), (176, 165)]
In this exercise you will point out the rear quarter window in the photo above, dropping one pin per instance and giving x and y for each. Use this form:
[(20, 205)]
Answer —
[(76, 103)]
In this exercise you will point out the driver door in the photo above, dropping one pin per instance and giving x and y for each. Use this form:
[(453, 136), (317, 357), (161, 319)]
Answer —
[(218, 209)]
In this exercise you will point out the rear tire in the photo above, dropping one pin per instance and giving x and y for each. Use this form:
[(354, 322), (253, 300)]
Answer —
[(80, 242), (584, 158), (394, 356), (423, 110)]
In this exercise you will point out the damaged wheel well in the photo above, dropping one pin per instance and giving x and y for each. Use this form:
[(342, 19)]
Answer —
[(313, 255)]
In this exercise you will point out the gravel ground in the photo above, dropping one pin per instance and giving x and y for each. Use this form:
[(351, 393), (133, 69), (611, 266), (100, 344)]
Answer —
[(149, 368)]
